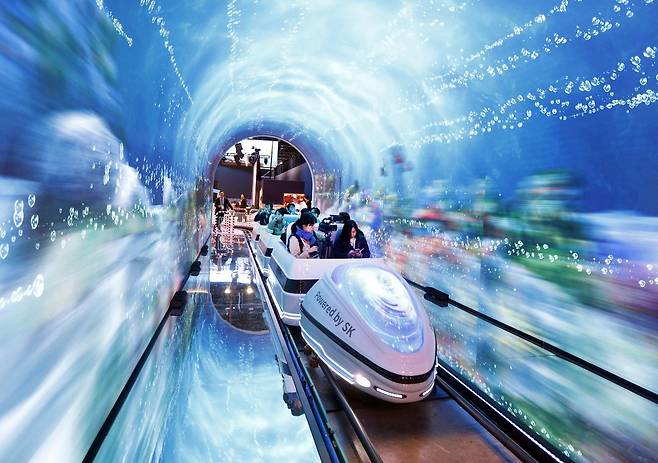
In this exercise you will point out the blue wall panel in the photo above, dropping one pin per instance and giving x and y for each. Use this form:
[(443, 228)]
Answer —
[(504, 151)]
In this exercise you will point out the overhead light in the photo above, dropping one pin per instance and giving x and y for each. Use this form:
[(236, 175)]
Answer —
[(362, 380), (250, 290), (227, 291)]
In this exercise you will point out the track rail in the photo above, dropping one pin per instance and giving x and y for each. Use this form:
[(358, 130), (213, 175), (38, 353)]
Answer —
[(351, 416), (442, 299), (324, 435)]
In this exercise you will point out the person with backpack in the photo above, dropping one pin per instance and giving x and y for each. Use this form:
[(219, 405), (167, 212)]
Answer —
[(303, 242)]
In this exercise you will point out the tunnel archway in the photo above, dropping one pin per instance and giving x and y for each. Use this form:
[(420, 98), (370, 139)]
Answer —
[(307, 159), (498, 109), (320, 155)]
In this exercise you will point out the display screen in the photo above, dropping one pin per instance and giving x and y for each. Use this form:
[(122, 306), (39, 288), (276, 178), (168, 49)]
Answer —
[(98, 224), (503, 152)]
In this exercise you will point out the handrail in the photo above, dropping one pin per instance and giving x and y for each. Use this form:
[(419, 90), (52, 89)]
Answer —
[(442, 299), (123, 395)]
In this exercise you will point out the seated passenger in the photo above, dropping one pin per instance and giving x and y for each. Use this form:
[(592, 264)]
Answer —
[(277, 224), (291, 208), (351, 243), (303, 242), (263, 214)]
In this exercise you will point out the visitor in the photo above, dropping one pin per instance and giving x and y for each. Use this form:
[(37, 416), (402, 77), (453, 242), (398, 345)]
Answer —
[(303, 242), (351, 243), (276, 224), (263, 214)]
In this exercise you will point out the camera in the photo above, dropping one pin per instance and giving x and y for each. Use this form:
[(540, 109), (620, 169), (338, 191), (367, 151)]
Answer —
[(328, 224)]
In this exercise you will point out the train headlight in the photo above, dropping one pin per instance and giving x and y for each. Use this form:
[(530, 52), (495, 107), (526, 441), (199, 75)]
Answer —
[(362, 381)]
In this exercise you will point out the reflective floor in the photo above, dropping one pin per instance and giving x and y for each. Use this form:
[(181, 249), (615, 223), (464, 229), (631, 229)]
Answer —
[(212, 388)]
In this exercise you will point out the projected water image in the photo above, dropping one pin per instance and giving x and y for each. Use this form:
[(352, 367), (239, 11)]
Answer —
[(212, 390), (504, 152)]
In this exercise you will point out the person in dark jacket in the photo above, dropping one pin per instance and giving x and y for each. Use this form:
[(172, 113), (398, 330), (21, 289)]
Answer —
[(351, 243), (222, 205), (243, 201), (263, 214)]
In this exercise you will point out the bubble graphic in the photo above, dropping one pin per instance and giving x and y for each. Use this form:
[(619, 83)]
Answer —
[(4, 250), (34, 221), (31, 200), (38, 286), (19, 215), (106, 175)]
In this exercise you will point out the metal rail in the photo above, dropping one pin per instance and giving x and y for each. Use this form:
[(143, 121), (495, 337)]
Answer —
[(442, 299), (302, 380), (521, 443), (351, 416)]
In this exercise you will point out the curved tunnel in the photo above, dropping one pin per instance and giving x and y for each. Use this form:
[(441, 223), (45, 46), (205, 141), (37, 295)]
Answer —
[(503, 152)]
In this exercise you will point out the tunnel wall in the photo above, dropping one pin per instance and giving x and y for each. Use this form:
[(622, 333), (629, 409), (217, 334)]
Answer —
[(98, 222), (504, 152)]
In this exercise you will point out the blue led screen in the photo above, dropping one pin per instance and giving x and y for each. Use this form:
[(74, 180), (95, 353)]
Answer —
[(504, 152)]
